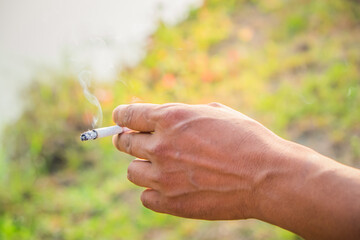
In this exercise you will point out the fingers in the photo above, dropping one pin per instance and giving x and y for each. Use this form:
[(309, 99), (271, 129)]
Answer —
[(224, 107), (219, 105), (135, 116), (152, 199), (133, 143), (140, 173)]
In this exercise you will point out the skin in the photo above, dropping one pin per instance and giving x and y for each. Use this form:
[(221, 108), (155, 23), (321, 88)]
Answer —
[(212, 162)]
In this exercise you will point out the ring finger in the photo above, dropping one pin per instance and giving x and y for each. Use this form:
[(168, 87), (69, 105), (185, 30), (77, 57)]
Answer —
[(140, 172)]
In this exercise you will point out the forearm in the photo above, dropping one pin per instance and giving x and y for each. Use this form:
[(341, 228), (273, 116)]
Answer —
[(310, 195)]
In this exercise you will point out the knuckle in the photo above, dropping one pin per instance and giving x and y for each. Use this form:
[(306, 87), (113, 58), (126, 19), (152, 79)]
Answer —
[(161, 179), (160, 150), (156, 179), (170, 105), (175, 115), (169, 186), (169, 116), (171, 113), (215, 104), (182, 127)]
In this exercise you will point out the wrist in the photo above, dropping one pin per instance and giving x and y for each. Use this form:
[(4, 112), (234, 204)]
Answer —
[(299, 188), (283, 179)]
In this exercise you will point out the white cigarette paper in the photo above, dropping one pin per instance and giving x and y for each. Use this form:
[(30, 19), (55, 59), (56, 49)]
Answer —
[(101, 132)]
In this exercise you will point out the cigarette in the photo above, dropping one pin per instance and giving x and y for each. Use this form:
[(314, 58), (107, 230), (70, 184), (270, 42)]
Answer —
[(101, 132)]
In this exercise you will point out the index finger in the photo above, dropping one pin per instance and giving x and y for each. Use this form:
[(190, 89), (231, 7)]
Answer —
[(137, 116)]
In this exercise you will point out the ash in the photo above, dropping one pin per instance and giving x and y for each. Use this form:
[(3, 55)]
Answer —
[(89, 135)]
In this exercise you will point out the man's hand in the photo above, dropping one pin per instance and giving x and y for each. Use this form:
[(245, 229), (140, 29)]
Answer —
[(212, 162), (201, 161)]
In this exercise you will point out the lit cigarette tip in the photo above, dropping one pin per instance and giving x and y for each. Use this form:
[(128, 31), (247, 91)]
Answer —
[(89, 135)]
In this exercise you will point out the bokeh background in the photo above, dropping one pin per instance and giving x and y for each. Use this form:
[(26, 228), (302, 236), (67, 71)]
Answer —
[(294, 65)]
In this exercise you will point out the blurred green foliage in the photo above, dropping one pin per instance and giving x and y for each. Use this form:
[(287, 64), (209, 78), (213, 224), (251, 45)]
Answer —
[(293, 65)]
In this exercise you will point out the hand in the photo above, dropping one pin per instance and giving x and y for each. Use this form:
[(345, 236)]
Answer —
[(201, 161), (212, 162)]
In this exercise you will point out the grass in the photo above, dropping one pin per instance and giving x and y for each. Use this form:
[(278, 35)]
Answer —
[(293, 65)]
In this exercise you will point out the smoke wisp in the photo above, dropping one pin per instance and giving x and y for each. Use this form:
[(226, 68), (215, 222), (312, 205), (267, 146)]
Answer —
[(85, 82)]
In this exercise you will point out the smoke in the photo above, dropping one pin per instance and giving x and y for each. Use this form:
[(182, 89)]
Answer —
[(85, 82)]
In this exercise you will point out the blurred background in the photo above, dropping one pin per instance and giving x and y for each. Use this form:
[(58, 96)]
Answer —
[(294, 65)]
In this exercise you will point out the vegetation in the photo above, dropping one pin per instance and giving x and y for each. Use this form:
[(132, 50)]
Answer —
[(293, 65)]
